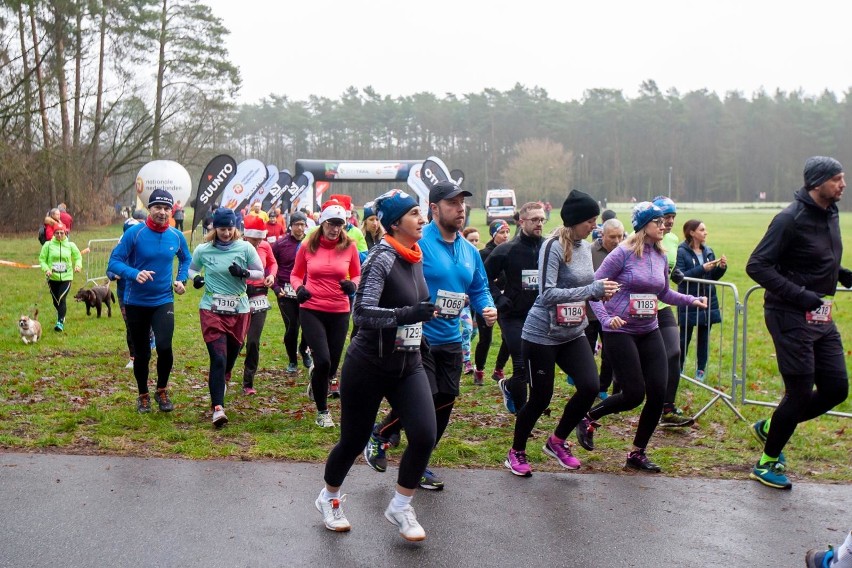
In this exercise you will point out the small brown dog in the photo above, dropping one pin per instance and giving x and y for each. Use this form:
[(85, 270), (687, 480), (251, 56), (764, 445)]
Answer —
[(29, 328), (96, 297)]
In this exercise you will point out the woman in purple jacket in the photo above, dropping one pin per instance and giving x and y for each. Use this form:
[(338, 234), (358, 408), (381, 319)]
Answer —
[(630, 330)]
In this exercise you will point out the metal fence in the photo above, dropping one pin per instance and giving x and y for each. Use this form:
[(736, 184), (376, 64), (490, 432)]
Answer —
[(97, 259)]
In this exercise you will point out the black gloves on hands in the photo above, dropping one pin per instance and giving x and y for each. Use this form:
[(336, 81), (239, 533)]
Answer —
[(198, 282), (845, 277), (424, 311), (302, 295), (238, 271), (503, 304), (348, 287), (809, 300), (677, 276)]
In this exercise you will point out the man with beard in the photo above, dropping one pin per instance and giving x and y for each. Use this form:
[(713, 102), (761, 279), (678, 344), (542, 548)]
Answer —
[(452, 268)]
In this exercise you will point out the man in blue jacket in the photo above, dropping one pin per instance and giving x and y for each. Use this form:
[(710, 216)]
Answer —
[(144, 258), (452, 268)]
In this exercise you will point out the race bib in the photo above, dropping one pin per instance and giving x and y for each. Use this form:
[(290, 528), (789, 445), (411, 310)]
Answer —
[(821, 315), (271, 240), (449, 304), (225, 304), (288, 291), (59, 267), (642, 306), (529, 279), (570, 314), (258, 303), (408, 337)]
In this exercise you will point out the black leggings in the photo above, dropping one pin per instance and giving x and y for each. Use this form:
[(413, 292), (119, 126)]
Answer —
[(574, 358), (511, 329), (141, 320), (258, 319), (363, 385), (486, 335), (593, 331), (669, 332), (802, 402), (325, 333), (703, 345), (641, 370), (59, 294), (289, 309), (223, 353)]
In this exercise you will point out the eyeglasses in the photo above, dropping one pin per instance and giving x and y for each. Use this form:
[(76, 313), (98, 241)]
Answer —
[(659, 221), (536, 220)]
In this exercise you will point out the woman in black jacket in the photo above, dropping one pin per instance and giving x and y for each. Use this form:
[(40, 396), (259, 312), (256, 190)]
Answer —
[(696, 260)]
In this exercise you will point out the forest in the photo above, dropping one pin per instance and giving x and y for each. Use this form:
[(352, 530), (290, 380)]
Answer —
[(93, 89)]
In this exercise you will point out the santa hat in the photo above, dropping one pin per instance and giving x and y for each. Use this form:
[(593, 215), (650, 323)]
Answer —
[(255, 228), (344, 200)]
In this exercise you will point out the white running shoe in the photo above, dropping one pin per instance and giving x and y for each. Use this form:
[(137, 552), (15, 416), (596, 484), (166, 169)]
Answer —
[(332, 514), (406, 520), (324, 420), (129, 364), (219, 418)]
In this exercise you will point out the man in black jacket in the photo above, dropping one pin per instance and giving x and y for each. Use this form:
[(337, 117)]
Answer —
[(798, 263), (518, 261)]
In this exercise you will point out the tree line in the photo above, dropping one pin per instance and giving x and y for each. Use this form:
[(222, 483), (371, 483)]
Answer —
[(94, 89)]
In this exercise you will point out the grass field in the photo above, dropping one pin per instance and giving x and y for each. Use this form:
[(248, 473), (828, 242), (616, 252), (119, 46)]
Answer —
[(71, 392)]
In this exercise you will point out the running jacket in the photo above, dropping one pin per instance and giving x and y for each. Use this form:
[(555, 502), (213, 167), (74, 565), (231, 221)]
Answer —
[(453, 267), (284, 250), (217, 280), (141, 248), (321, 272), (388, 281), (561, 283), (267, 259), (646, 275), (800, 251), (511, 258), (54, 252)]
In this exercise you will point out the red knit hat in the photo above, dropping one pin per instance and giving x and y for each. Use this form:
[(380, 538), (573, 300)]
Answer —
[(254, 227)]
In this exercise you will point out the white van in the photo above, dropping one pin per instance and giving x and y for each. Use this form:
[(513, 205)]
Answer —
[(500, 204)]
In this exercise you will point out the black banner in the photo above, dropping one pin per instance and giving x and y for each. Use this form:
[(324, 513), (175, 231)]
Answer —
[(457, 176), (432, 173), (214, 178), (279, 194)]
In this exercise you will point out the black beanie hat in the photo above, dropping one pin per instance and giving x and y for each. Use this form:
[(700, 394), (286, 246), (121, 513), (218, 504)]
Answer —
[(579, 207), (820, 169)]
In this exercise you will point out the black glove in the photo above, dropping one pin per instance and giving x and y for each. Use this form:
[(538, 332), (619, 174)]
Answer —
[(809, 300), (503, 304), (302, 295), (198, 281), (424, 311), (348, 287), (238, 271), (845, 277), (677, 276)]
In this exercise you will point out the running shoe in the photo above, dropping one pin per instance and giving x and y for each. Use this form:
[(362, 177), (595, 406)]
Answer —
[(518, 464), (637, 459), (407, 523), (307, 361), (819, 558), (675, 418), (771, 474), (557, 449), (332, 514), (586, 433), (498, 375), (374, 453), (333, 388), (129, 364), (249, 391), (143, 403), (324, 420), (468, 368), (478, 377), (758, 429), (699, 376), (292, 368), (163, 401), (507, 396), (60, 326), (431, 481), (219, 418)]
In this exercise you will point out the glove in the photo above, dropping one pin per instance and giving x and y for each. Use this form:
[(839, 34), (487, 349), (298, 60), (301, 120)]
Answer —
[(198, 281), (845, 278), (302, 295), (677, 276), (424, 311), (238, 271), (348, 287), (503, 304), (809, 300)]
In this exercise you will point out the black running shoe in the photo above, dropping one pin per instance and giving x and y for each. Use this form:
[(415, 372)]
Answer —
[(639, 461)]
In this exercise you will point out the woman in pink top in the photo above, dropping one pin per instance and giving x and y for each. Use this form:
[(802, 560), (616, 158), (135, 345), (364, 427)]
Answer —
[(325, 275)]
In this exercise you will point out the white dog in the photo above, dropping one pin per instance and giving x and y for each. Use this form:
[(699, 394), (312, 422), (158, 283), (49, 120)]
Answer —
[(29, 328)]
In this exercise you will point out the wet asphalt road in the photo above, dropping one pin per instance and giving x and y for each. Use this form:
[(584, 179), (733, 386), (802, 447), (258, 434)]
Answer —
[(69, 511)]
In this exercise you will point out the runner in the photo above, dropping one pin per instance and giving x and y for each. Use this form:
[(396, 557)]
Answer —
[(553, 333), (452, 268), (518, 261), (630, 329), (384, 361), (798, 263), (325, 274), (284, 251), (372, 227), (499, 231), (227, 261), (468, 324), (60, 260), (144, 257), (257, 290)]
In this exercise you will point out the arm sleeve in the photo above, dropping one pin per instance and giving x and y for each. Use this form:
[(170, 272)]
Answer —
[(684, 264), (762, 265), (253, 264), (355, 266), (609, 269), (297, 276), (480, 297), (184, 257), (42, 256), (118, 258), (360, 241), (367, 313), (195, 264)]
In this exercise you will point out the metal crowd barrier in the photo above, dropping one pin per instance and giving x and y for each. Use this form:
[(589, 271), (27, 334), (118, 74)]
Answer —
[(744, 369), (97, 260)]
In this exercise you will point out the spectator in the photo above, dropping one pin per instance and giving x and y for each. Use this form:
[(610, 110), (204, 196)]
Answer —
[(65, 217), (178, 215)]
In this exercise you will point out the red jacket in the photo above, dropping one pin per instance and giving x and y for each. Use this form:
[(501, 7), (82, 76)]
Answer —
[(267, 259), (321, 273)]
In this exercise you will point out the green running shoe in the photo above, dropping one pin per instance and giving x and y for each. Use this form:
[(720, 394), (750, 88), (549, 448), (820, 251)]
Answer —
[(757, 428), (771, 474)]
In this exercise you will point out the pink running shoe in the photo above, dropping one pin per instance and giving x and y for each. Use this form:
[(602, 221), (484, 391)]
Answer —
[(517, 463), (556, 448)]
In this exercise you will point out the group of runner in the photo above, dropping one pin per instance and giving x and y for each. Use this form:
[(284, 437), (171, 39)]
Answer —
[(407, 297)]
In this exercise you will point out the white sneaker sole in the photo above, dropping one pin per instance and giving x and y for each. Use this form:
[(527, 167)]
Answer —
[(410, 538), (519, 474)]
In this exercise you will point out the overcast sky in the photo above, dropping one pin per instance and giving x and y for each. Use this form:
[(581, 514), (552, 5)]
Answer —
[(321, 47)]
